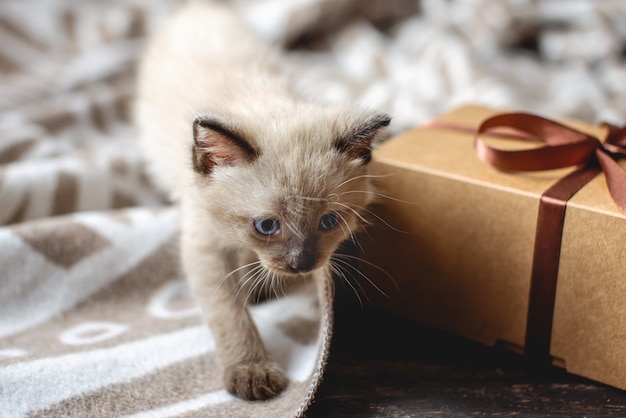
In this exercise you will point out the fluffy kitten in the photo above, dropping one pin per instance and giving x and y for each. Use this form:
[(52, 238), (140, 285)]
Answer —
[(269, 183)]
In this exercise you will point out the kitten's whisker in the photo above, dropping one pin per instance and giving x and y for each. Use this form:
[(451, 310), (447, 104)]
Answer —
[(353, 268), (296, 207), (272, 285), (369, 263), (358, 215), (268, 284), (249, 275), (293, 228), (374, 193), (257, 280), (257, 262), (296, 210), (309, 198), (367, 232), (259, 287), (249, 281), (374, 214), (277, 285), (226, 276), (338, 271), (362, 176), (356, 242), (268, 241), (350, 233), (351, 280)]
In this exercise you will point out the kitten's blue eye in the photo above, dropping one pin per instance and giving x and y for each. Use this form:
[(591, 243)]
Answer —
[(266, 226), (329, 221)]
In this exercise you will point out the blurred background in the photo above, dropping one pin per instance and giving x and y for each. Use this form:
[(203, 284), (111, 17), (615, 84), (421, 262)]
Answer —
[(67, 75), (412, 58)]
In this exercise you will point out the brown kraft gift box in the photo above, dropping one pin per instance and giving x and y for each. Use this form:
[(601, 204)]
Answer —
[(458, 237)]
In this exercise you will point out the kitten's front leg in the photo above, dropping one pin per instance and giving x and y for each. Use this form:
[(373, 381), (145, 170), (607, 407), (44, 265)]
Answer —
[(249, 373)]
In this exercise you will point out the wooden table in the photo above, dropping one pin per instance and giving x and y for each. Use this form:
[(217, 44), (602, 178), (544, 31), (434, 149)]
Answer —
[(385, 366)]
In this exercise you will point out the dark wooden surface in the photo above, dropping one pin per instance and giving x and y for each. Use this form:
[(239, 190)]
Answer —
[(385, 366)]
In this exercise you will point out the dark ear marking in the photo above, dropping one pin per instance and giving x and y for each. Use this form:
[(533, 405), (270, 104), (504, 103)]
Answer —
[(359, 141), (215, 144)]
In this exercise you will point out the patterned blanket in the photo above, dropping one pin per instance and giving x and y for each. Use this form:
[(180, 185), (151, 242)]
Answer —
[(95, 315)]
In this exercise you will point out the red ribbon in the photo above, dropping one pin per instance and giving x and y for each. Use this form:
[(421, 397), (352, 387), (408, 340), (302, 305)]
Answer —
[(564, 147)]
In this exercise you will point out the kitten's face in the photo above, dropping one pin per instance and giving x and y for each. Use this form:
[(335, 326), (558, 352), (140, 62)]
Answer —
[(297, 231), (294, 200)]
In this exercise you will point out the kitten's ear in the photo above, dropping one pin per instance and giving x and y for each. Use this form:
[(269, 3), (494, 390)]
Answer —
[(359, 141), (216, 145)]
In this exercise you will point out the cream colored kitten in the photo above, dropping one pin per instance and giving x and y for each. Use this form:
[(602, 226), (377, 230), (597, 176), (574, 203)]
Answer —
[(269, 183)]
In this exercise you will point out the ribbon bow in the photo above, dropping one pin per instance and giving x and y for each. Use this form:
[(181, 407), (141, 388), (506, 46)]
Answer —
[(565, 147)]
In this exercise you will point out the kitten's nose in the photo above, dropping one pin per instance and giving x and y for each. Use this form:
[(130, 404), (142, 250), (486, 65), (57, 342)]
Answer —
[(302, 266), (301, 261)]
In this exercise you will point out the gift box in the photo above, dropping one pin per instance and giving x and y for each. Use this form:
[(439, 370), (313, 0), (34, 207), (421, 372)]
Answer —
[(476, 233)]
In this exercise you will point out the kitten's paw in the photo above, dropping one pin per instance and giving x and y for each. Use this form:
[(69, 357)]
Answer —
[(255, 381)]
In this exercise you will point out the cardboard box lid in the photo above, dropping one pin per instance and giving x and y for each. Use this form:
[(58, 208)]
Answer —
[(450, 153)]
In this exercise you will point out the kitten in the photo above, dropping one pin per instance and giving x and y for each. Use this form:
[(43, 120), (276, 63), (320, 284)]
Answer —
[(269, 183)]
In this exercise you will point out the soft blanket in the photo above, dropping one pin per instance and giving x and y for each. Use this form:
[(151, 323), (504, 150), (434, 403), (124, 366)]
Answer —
[(95, 316)]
